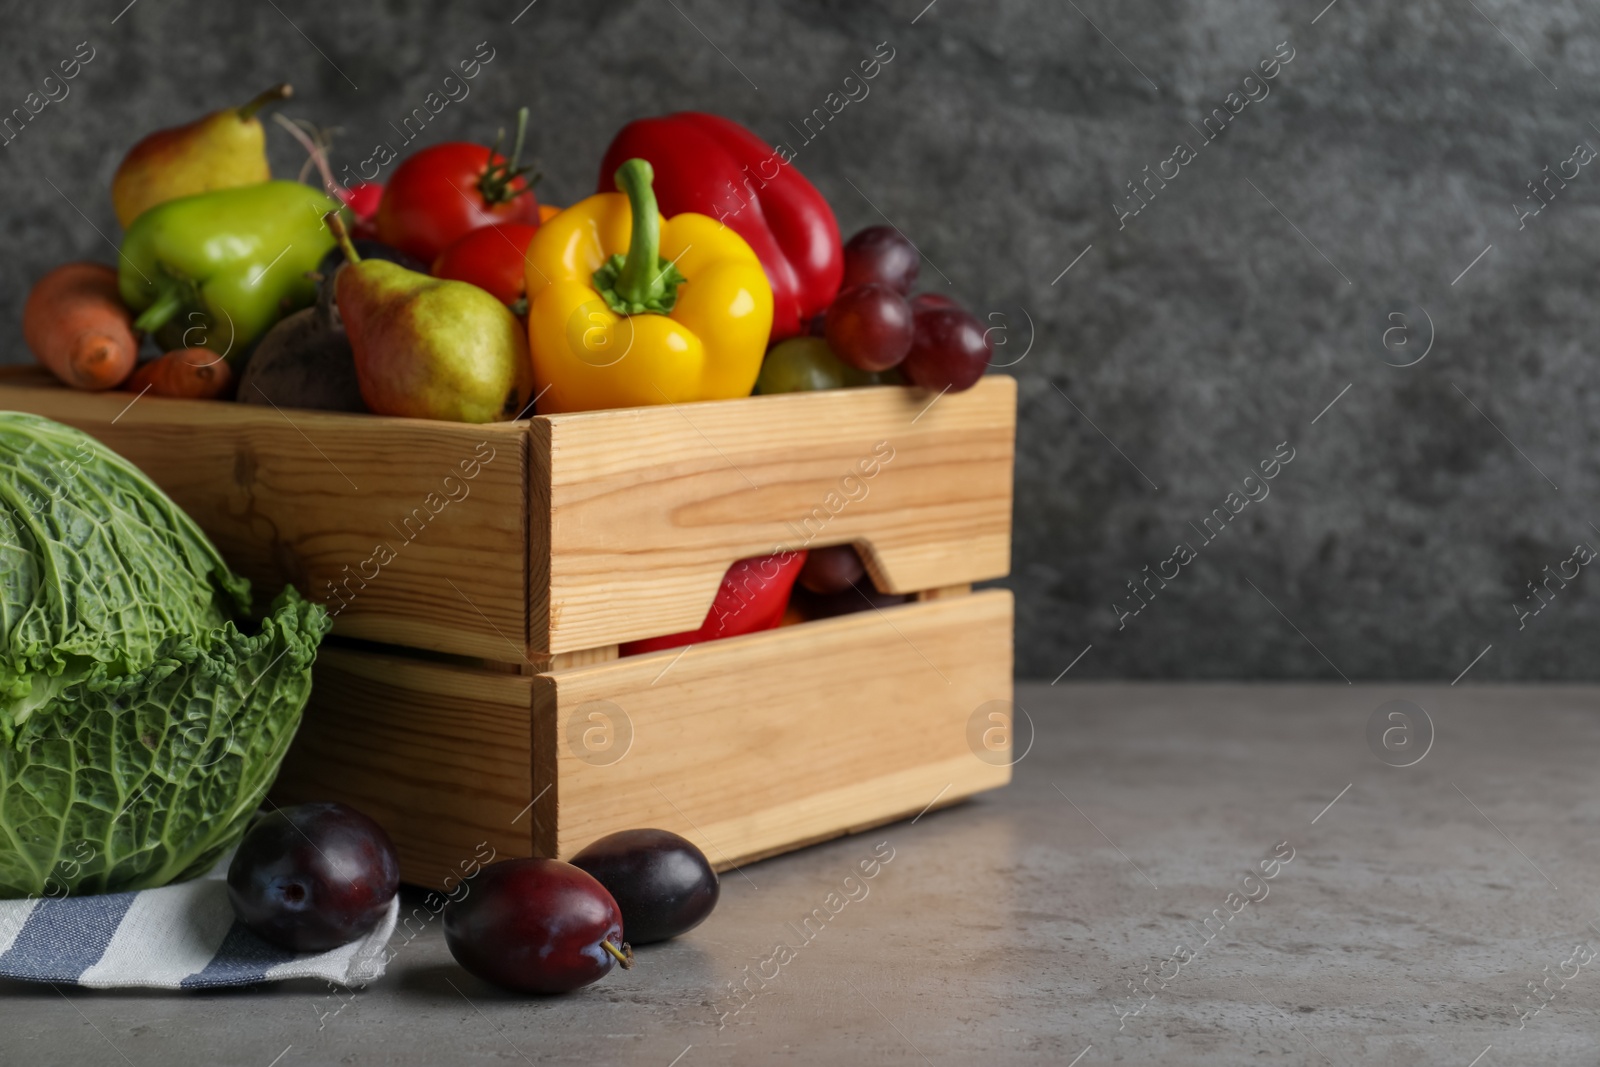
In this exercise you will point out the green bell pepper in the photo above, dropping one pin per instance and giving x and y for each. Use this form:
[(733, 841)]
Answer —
[(217, 270)]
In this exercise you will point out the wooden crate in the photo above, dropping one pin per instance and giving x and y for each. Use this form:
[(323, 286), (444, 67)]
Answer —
[(482, 577)]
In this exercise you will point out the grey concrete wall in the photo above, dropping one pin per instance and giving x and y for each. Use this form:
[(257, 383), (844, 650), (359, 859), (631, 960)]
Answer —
[(1188, 341)]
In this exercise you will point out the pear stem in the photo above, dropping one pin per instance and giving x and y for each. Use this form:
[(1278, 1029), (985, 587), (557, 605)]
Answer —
[(624, 955), (342, 235), (281, 91)]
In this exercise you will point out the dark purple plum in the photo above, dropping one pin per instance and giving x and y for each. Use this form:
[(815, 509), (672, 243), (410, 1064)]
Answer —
[(312, 877), (662, 883), (536, 926)]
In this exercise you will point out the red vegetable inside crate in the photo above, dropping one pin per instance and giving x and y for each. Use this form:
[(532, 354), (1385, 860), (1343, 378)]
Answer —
[(714, 166), (493, 258), (752, 597), (445, 191)]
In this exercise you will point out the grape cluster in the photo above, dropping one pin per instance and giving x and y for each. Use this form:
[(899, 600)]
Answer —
[(877, 333)]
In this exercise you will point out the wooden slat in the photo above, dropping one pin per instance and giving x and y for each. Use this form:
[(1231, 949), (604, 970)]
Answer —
[(582, 531), (649, 506), (308, 497), (757, 744), (439, 755)]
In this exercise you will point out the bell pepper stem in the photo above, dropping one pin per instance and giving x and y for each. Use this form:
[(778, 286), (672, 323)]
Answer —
[(640, 280), (281, 91), (168, 302)]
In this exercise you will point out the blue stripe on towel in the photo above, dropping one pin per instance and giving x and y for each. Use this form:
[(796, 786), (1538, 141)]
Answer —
[(242, 959), (64, 938)]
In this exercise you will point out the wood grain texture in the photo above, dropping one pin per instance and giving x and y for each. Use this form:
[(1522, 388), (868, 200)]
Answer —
[(649, 506), (544, 662), (579, 531), (439, 755), (309, 497), (583, 657), (756, 744)]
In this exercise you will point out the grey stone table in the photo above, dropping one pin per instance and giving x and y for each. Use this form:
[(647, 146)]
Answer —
[(1243, 852)]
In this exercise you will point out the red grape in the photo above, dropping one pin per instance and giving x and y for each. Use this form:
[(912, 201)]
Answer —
[(949, 351), (869, 327), (928, 301), (881, 254)]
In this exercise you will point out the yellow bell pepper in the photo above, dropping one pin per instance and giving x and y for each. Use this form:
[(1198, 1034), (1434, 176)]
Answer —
[(626, 308)]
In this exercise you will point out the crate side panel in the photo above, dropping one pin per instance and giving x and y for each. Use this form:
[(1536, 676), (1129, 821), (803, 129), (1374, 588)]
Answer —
[(413, 531), (649, 506), (439, 755), (758, 744)]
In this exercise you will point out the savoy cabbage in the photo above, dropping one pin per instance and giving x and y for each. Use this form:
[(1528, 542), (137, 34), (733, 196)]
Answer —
[(140, 726)]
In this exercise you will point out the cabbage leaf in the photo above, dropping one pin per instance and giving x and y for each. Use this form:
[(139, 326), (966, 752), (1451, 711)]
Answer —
[(140, 724)]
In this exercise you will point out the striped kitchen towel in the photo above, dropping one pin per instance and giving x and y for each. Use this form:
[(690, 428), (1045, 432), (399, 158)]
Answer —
[(177, 937)]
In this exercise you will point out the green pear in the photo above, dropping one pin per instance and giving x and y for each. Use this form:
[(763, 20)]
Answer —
[(430, 348)]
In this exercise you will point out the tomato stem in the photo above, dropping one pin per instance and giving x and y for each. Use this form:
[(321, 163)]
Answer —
[(522, 130), (495, 184)]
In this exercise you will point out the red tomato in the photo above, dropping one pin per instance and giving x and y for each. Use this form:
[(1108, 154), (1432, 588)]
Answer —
[(492, 258), (447, 190)]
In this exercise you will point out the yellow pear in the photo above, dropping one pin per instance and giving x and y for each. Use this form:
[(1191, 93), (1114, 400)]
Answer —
[(217, 151)]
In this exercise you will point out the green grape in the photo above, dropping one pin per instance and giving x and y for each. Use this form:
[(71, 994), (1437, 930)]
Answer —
[(806, 364)]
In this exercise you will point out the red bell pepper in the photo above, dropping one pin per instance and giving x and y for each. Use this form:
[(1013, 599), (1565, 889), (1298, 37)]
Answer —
[(752, 597), (714, 166)]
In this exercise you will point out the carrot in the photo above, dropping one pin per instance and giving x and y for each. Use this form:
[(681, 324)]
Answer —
[(77, 326), (194, 373)]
